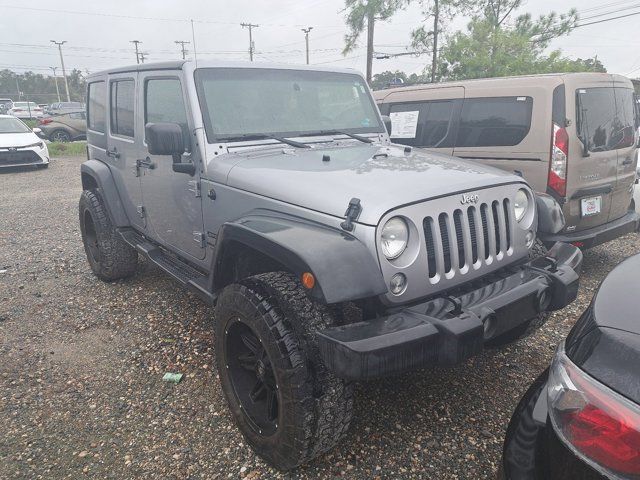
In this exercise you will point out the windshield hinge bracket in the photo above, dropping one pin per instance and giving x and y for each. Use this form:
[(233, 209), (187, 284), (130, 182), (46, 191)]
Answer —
[(352, 214)]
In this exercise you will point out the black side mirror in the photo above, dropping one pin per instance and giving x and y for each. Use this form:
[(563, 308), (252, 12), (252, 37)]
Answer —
[(387, 123), (168, 139), (165, 139)]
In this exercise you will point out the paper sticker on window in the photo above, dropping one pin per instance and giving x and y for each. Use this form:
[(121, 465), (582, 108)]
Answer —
[(404, 124), (521, 99)]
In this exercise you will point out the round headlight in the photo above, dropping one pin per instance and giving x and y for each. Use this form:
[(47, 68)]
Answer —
[(394, 238), (521, 204)]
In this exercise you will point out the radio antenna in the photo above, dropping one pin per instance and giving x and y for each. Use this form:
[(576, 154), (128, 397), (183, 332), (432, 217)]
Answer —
[(193, 39)]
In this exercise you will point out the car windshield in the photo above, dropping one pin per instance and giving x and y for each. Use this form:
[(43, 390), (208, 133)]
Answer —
[(239, 103), (12, 125)]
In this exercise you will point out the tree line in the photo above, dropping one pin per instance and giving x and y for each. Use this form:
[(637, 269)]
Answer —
[(35, 87), (497, 41)]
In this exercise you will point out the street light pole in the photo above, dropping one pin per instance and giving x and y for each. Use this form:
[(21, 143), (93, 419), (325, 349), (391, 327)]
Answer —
[(306, 38), (64, 72), (55, 79)]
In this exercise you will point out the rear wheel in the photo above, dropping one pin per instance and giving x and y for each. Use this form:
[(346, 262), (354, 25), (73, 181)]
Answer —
[(284, 401), (110, 257), (60, 136)]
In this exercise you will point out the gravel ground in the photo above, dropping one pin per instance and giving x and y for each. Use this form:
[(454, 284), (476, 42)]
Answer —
[(81, 366)]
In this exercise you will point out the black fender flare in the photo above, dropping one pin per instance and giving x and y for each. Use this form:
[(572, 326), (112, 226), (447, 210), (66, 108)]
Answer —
[(102, 178), (343, 267), (550, 216)]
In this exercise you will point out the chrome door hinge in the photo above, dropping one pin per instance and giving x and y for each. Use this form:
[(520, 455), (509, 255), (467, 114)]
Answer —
[(200, 238), (141, 211), (194, 186)]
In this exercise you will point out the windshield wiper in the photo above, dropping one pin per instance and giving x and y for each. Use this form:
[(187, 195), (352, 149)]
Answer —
[(340, 132), (261, 136)]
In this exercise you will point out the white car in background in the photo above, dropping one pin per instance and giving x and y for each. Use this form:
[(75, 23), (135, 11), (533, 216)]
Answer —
[(26, 110), (19, 145)]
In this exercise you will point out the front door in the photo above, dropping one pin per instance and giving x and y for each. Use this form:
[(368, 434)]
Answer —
[(123, 144), (172, 200)]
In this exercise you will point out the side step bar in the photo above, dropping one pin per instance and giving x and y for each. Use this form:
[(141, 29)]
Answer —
[(188, 276)]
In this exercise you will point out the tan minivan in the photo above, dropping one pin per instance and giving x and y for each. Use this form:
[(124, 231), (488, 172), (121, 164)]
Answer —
[(571, 135)]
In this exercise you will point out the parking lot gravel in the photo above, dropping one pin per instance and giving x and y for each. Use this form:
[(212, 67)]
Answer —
[(81, 366)]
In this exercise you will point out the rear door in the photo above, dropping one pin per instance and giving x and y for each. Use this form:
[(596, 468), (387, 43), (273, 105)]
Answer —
[(424, 118), (123, 144), (592, 175), (625, 138)]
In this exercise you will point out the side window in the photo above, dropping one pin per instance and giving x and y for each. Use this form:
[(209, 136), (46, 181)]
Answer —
[(97, 110), (424, 124), (437, 120), (122, 107), (164, 102), (494, 122)]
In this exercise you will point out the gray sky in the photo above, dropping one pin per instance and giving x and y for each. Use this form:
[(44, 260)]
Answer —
[(101, 39)]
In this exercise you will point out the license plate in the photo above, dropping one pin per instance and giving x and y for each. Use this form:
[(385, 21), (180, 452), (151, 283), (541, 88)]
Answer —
[(591, 206)]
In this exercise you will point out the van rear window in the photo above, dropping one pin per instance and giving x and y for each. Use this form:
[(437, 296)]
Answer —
[(605, 117), (494, 122)]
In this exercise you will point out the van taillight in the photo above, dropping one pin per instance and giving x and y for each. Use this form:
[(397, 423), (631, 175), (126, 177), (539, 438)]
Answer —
[(558, 165), (601, 425), (45, 121)]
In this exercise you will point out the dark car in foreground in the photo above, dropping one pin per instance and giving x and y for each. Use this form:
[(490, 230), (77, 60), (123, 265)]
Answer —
[(64, 128), (581, 418)]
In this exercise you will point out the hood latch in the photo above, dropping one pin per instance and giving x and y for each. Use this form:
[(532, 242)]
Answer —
[(352, 213)]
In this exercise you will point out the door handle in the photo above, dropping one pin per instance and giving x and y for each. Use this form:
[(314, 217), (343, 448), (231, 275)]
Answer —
[(627, 161), (113, 153), (145, 163)]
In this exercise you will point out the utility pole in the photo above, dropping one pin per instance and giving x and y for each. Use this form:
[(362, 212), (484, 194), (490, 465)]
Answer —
[(64, 72), (306, 38), (136, 43), (250, 26), (143, 55), (182, 43), (371, 20), (55, 79), (434, 58)]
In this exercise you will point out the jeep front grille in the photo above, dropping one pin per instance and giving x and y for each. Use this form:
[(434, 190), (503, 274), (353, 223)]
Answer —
[(460, 240)]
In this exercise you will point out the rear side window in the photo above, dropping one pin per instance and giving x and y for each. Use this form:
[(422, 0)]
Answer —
[(424, 124), (605, 118), (97, 110), (164, 103), (494, 122), (122, 107)]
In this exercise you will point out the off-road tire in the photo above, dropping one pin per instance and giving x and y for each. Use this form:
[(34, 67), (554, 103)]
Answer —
[(526, 329), (314, 407), (109, 256)]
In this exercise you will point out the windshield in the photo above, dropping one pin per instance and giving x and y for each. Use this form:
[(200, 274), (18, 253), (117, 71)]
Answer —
[(241, 102), (12, 125)]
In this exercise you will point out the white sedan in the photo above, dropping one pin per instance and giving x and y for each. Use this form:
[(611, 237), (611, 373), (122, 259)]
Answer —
[(26, 110), (19, 145)]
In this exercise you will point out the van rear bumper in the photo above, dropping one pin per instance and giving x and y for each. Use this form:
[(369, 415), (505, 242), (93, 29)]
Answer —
[(448, 330), (600, 234)]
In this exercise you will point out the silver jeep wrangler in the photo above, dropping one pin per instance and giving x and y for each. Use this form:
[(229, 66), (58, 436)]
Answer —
[(331, 255)]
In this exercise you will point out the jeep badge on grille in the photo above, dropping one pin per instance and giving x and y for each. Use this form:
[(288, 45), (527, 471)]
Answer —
[(469, 198)]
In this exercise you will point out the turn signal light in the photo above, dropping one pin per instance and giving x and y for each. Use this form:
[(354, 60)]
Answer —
[(308, 280)]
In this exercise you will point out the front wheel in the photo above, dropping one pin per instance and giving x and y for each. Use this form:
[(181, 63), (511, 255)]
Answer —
[(287, 405), (60, 136)]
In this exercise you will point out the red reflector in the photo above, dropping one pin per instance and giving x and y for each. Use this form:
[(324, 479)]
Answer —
[(578, 244)]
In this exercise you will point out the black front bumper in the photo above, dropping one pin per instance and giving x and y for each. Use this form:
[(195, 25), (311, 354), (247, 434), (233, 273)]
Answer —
[(600, 234), (448, 330)]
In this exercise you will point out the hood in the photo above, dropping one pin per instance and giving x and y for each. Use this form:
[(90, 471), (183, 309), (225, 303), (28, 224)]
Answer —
[(383, 178), (18, 139)]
